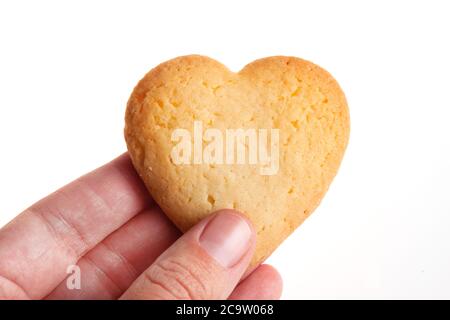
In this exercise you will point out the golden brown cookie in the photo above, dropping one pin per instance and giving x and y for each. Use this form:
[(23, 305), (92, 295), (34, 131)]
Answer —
[(266, 141)]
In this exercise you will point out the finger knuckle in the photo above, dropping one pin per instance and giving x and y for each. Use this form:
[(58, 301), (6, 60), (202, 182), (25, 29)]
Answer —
[(178, 279)]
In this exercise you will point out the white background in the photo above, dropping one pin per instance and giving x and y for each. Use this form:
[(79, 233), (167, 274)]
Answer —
[(382, 231)]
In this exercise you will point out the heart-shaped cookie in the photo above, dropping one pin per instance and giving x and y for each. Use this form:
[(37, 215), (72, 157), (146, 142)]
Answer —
[(266, 141)]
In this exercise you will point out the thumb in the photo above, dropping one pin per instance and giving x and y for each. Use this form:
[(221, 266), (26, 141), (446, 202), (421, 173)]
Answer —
[(207, 262)]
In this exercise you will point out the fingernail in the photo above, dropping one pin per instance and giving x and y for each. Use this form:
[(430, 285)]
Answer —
[(226, 238)]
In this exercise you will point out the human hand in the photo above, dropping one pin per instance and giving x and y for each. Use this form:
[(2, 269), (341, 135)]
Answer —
[(106, 223)]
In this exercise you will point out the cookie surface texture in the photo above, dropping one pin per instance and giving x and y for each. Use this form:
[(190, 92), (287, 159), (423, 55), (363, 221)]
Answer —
[(183, 116)]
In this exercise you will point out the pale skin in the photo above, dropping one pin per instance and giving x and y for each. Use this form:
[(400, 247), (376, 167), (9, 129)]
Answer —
[(106, 223)]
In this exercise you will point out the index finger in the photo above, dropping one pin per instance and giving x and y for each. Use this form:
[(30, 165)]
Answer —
[(37, 246)]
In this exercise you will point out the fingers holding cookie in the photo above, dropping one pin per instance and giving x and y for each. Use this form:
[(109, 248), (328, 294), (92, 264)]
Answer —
[(207, 262)]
